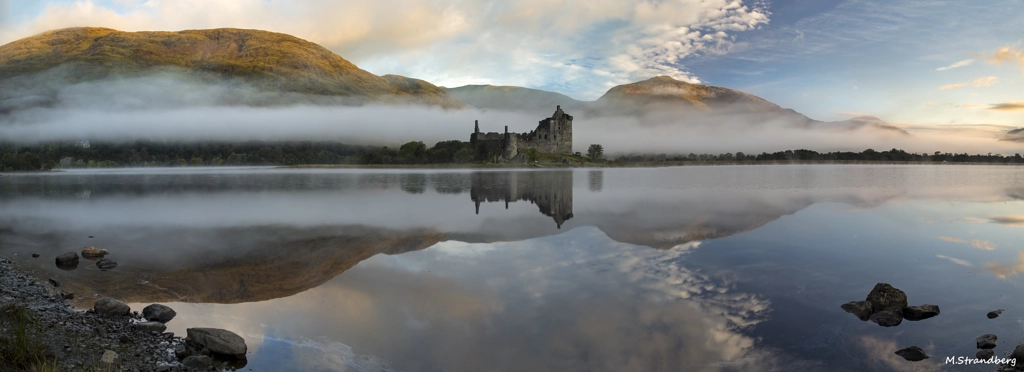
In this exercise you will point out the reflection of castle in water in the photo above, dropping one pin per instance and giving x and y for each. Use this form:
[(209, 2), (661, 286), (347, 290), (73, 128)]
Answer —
[(550, 191)]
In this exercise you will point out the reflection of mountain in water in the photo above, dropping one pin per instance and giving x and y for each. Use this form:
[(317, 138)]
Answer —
[(233, 266), (550, 191)]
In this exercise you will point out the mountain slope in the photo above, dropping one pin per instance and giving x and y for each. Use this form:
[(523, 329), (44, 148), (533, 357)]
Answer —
[(512, 98), (664, 92), (267, 60), (1016, 135)]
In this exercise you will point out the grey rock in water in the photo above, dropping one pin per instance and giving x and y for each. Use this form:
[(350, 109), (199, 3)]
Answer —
[(67, 261), (198, 362), (67, 295), (913, 354), (994, 314), (35, 255), (105, 264), (218, 341), (54, 282), (110, 307), (159, 313), (150, 327), (986, 341), (890, 317), (1018, 354), (93, 252), (862, 309), (109, 359), (985, 354), (884, 296), (922, 312)]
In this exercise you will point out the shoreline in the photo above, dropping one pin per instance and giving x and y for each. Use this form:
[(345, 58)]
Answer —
[(665, 164), (41, 331)]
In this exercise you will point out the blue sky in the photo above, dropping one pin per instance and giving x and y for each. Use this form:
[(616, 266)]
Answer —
[(826, 59)]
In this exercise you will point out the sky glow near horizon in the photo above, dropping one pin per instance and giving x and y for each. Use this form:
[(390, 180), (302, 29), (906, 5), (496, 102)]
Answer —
[(924, 62)]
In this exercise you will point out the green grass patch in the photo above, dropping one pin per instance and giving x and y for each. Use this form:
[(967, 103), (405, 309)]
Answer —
[(20, 346)]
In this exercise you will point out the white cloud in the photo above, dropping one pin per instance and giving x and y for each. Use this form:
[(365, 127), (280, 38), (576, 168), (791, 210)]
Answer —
[(583, 46), (985, 81), (966, 62)]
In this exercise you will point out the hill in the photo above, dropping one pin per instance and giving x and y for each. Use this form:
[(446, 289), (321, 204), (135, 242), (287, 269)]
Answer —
[(1016, 135), (512, 98), (661, 100), (267, 60)]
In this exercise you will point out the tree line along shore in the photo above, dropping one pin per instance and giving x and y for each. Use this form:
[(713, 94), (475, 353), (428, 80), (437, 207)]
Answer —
[(142, 153)]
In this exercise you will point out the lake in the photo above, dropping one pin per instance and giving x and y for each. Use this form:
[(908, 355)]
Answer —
[(716, 268)]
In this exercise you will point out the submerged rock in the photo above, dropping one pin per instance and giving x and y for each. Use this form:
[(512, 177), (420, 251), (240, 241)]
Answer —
[(922, 312), (150, 327), (890, 317), (217, 341), (35, 255), (994, 314), (53, 282), (105, 264), (913, 354), (862, 309), (67, 295), (986, 341), (110, 307), (159, 313), (884, 296), (93, 252), (198, 362), (67, 261), (985, 354)]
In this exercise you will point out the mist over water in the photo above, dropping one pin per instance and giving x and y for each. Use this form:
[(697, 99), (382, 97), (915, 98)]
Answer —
[(170, 105)]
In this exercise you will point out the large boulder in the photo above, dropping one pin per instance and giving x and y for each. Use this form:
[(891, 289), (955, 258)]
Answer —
[(862, 309), (913, 354), (920, 312), (67, 261), (217, 341), (884, 296), (159, 313), (890, 317), (107, 306)]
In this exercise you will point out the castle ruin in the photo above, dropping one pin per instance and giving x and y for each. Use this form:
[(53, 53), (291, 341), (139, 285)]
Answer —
[(553, 135)]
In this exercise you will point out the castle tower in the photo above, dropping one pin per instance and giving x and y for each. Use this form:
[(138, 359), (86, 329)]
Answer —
[(476, 126)]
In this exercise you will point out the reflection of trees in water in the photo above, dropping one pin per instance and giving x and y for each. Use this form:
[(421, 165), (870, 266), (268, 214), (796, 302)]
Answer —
[(595, 180), (550, 191), (413, 183)]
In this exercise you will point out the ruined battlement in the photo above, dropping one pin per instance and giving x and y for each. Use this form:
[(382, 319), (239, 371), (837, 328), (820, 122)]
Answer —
[(553, 135)]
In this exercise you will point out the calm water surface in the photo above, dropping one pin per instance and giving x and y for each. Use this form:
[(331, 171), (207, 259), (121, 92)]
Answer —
[(731, 268)]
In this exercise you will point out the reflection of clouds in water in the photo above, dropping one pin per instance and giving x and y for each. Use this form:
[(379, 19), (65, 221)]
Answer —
[(882, 355), (577, 301), (954, 260), (1004, 271), (1009, 220), (984, 245), (718, 316)]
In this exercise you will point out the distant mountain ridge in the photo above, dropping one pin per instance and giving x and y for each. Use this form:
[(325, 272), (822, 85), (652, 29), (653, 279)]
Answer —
[(659, 100), (287, 66), (1016, 135)]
